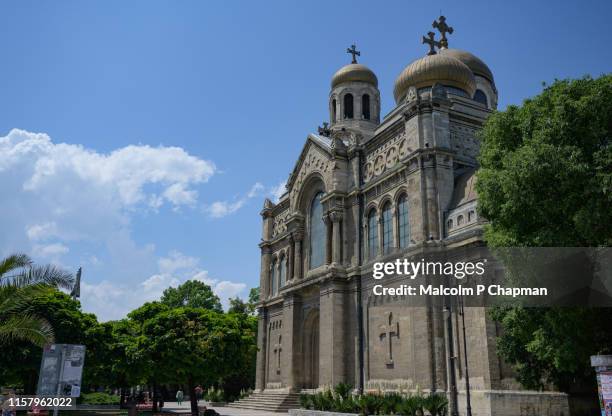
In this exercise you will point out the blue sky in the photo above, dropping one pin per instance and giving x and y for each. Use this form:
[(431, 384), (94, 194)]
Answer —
[(138, 139)]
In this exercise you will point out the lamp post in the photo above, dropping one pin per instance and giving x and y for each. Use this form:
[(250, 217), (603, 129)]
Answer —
[(450, 358), (467, 371)]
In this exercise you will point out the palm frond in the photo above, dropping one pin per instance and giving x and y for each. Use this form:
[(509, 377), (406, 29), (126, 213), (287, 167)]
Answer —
[(26, 327), (47, 274), (19, 299), (12, 262)]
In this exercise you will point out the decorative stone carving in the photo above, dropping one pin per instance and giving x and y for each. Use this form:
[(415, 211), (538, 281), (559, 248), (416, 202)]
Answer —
[(386, 156), (278, 347), (280, 224), (389, 330)]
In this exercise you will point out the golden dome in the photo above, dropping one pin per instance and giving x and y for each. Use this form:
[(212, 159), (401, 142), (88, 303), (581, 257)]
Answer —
[(433, 69), (352, 73), (473, 62)]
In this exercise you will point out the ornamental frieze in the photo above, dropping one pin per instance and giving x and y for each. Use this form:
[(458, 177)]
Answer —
[(280, 224), (386, 156)]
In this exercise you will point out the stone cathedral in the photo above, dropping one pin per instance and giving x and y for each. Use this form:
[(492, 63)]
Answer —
[(365, 189)]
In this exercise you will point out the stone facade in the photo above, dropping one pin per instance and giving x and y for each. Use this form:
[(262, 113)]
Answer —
[(411, 177)]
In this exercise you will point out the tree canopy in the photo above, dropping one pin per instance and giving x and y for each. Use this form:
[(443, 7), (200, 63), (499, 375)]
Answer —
[(545, 179), (193, 294)]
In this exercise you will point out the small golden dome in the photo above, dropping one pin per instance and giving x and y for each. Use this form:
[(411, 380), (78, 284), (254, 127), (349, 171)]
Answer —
[(473, 62), (354, 73), (431, 69)]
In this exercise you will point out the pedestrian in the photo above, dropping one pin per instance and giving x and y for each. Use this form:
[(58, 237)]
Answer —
[(179, 397), (198, 392)]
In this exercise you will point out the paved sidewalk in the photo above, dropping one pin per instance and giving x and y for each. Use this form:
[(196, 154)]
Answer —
[(223, 411)]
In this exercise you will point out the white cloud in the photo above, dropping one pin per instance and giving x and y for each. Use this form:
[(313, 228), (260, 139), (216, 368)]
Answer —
[(277, 191), (176, 261), (52, 251), (66, 194), (220, 209), (113, 301)]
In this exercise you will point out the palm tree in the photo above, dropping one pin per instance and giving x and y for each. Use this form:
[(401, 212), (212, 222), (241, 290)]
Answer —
[(20, 282)]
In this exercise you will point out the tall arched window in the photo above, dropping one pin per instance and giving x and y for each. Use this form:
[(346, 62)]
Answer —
[(317, 233), (402, 221), (372, 235), (365, 106), (348, 106), (333, 117), (273, 286), (387, 224), (283, 271), (481, 97)]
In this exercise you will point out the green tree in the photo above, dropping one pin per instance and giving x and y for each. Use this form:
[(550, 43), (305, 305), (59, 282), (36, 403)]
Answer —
[(20, 281), (545, 179), (193, 294), (193, 345), (237, 305), (21, 358)]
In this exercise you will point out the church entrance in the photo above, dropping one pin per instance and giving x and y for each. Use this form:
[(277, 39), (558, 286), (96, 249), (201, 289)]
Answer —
[(311, 350)]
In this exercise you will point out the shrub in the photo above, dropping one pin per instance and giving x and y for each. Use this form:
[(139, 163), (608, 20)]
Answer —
[(343, 390), (99, 398), (369, 404), (305, 401), (411, 406), (391, 403), (436, 404), (214, 395)]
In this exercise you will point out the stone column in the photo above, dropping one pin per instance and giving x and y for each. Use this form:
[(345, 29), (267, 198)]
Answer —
[(264, 274), (336, 219), (297, 250), (328, 238), (290, 259), (380, 234), (333, 337), (291, 342), (262, 343)]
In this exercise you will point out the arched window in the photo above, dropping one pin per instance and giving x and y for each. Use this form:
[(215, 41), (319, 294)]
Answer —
[(273, 286), (449, 224), (348, 106), (387, 223), (403, 221), (333, 120), (372, 235), (317, 233), (459, 220), (365, 106), (471, 216), (283, 271), (481, 97)]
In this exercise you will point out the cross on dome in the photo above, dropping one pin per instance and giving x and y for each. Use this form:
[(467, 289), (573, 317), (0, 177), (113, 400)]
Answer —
[(353, 51), (431, 42), (443, 28)]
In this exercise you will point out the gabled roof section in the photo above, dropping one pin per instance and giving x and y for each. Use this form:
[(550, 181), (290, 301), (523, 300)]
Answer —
[(321, 142)]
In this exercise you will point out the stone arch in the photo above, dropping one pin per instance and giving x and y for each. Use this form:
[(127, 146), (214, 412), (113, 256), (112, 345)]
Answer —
[(310, 347)]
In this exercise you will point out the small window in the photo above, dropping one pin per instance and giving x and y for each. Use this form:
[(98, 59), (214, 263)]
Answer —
[(348, 106), (449, 224), (283, 272), (273, 286), (387, 221), (333, 111), (459, 220), (365, 106), (402, 218), (481, 97), (471, 216), (372, 235)]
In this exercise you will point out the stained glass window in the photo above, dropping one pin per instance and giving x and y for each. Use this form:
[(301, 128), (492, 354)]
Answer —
[(403, 221), (372, 235), (387, 223)]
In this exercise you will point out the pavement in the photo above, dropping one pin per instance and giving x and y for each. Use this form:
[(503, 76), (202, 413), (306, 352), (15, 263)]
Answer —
[(185, 407)]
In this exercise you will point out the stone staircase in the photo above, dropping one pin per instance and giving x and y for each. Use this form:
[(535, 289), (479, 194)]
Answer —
[(269, 401)]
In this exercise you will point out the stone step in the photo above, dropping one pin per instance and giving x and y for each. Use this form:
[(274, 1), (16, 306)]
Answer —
[(269, 401)]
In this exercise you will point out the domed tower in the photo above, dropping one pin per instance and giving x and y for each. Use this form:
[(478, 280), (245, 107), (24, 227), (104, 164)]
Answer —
[(486, 92), (354, 100)]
